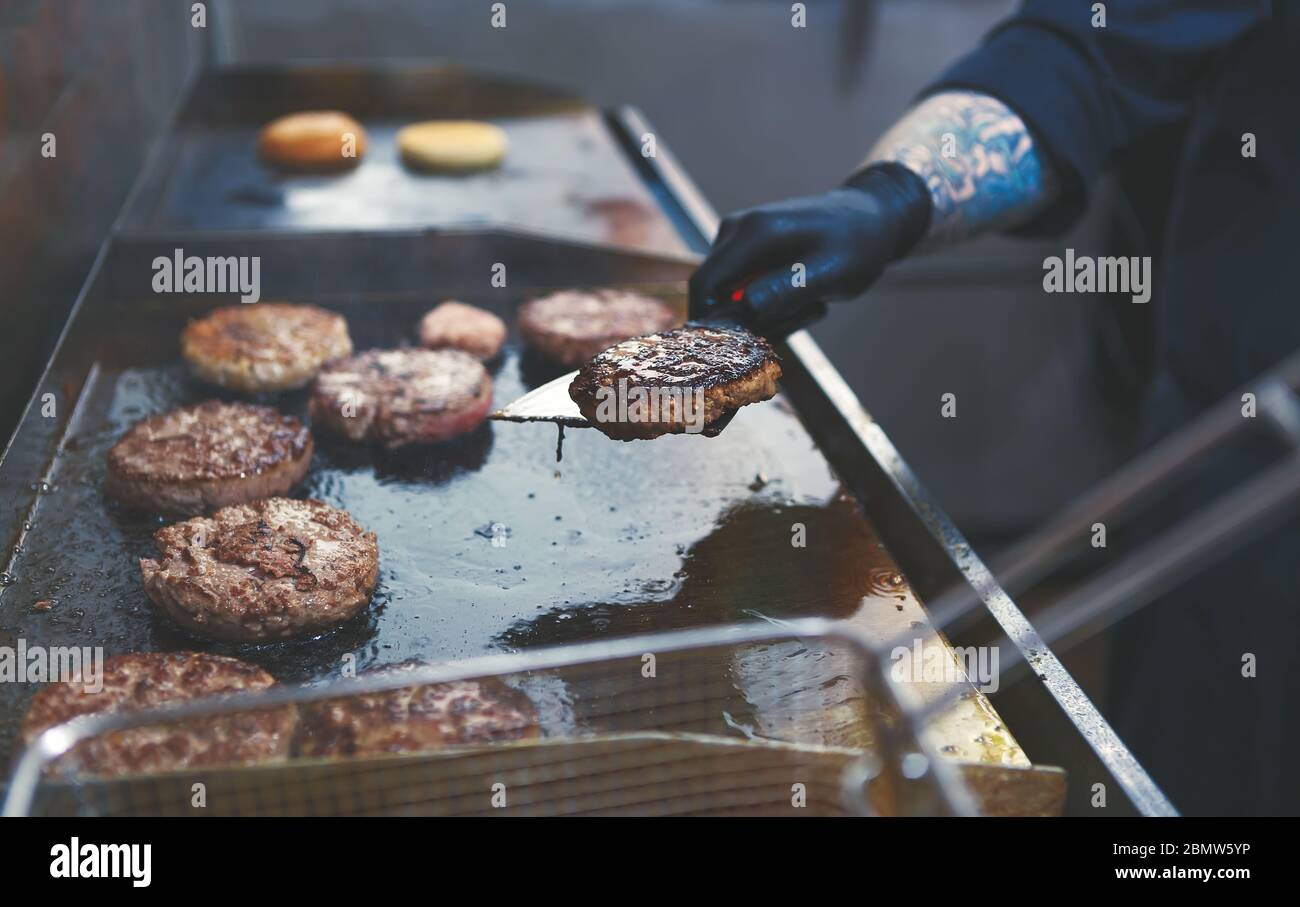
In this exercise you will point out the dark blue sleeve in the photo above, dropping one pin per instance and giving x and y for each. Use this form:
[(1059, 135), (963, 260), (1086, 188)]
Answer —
[(1088, 93)]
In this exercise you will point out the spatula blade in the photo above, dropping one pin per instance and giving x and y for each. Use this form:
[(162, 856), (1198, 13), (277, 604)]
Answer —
[(549, 403)]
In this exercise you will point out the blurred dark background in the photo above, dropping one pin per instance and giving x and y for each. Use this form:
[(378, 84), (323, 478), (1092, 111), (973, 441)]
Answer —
[(754, 109)]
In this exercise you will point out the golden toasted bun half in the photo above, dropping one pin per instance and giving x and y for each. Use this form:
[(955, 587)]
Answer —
[(313, 140), (452, 145)]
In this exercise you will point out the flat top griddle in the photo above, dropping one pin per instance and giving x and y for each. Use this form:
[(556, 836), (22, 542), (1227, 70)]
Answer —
[(564, 173), (487, 543)]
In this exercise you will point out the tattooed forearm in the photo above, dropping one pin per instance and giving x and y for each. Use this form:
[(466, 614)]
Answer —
[(978, 159)]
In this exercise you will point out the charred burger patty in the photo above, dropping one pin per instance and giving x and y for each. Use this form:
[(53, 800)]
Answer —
[(199, 458), (149, 680), (399, 397), (684, 381), (264, 571)]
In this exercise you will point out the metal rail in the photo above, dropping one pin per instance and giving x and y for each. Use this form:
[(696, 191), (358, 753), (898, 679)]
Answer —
[(1217, 530)]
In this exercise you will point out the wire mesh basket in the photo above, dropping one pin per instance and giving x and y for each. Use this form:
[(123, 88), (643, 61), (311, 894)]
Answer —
[(796, 719)]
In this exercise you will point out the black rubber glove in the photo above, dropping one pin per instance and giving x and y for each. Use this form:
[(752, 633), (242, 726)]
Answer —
[(844, 239)]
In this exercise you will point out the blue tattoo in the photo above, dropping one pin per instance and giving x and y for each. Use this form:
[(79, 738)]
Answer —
[(978, 159)]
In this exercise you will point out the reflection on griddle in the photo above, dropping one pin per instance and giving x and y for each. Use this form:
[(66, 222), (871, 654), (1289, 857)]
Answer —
[(745, 569), (420, 464), (535, 369), (254, 194)]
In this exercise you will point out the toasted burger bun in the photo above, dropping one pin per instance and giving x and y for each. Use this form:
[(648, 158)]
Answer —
[(313, 140), (452, 145)]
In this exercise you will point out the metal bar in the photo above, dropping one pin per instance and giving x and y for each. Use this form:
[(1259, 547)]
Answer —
[(1235, 517), (1141, 577), (1030, 560), (694, 207), (1278, 402), (1035, 557), (218, 48)]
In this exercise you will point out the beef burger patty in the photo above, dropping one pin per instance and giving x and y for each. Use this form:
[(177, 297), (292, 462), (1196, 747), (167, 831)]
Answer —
[(571, 326), (264, 571), (264, 346), (199, 458), (399, 397), (416, 719), (455, 325), (149, 680), (688, 380)]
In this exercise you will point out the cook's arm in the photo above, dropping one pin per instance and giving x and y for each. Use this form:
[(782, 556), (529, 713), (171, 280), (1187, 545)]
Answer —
[(1010, 137), (980, 164), (956, 165)]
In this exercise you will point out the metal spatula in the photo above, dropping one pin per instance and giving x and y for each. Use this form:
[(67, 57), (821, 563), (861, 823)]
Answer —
[(549, 403)]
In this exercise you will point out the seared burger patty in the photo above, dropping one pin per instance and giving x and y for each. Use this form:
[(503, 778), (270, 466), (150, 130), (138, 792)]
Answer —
[(455, 325), (399, 397), (202, 457), (263, 571), (688, 380), (571, 326), (145, 681), (264, 346), (417, 719)]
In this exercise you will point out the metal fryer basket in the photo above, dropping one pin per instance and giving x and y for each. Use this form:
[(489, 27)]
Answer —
[(669, 736)]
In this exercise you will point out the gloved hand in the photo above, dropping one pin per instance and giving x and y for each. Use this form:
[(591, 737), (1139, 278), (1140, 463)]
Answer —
[(843, 238)]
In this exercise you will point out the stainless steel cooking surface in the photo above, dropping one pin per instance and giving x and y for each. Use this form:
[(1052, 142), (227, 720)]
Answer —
[(566, 177), (501, 541)]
